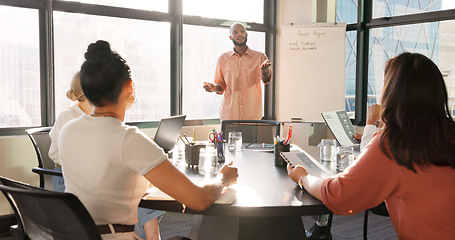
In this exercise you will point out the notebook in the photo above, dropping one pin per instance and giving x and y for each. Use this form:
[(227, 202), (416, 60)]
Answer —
[(168, 132), (313, 166), (341, 127)]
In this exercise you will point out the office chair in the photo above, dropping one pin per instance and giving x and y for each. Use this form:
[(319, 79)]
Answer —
[(381, 210), (44, 214), (41, 142), (253, 131)]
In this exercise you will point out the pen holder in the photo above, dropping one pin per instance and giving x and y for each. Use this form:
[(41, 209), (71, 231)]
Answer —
[(280, 147), (192, 153)]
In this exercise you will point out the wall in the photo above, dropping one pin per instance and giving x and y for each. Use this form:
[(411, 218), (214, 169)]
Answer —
[(17, 157)]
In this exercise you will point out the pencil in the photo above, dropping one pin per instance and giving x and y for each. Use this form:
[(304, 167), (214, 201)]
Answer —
[(194, 136), (182, 139), (186, 138)]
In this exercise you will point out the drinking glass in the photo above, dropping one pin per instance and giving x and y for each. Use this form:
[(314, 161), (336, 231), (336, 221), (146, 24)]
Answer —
[(345, 156), (208, 162), (235, 141), (328, 149)]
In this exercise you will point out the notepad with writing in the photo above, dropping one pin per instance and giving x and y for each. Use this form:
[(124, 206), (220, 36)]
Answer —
[(227, 195)]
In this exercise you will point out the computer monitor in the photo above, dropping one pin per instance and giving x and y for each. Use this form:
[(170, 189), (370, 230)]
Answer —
[(168, 131)]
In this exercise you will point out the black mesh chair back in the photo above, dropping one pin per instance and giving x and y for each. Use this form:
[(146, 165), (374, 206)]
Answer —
[(253, 131), (44, 214), (41, 142)]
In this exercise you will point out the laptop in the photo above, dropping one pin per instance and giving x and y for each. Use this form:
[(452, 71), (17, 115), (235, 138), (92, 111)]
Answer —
[(313, 166), (168, 132), (341, 127)]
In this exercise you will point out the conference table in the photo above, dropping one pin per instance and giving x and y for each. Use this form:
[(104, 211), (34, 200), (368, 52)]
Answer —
[(267, 204)]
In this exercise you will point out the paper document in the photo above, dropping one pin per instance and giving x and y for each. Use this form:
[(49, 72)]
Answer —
[(227, 195), (341, 127)]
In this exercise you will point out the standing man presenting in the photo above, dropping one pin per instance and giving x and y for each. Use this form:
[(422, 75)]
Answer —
[(238, 76)]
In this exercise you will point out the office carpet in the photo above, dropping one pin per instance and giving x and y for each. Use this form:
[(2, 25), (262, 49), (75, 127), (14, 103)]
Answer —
[(343, 227)]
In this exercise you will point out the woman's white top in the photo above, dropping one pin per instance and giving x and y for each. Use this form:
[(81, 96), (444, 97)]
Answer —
[(104, 162), (69, 113)]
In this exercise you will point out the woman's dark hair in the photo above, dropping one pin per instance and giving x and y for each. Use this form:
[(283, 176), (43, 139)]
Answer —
[(103, 74), (419, 129)]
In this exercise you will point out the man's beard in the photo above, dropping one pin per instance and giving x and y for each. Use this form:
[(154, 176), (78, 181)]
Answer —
[(240, 44)]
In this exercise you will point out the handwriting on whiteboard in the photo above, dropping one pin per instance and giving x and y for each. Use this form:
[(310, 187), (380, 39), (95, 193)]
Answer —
[(306, 40)]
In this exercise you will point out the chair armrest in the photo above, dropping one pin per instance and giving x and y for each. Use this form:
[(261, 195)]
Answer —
[(47, 171)]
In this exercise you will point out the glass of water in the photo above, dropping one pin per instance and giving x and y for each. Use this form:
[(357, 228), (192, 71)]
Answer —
[(345, 156), (235, 141), (328, 149), (208, 162)]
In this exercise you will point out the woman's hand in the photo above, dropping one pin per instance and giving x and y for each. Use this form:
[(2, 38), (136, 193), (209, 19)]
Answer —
[(295, 173), (357, 137), (374, 113), (230, 174)]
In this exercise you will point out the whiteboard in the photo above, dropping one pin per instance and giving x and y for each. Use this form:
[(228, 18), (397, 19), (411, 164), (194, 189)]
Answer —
[(312, 71)]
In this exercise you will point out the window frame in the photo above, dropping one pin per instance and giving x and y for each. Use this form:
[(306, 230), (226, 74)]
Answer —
[(174, 17)]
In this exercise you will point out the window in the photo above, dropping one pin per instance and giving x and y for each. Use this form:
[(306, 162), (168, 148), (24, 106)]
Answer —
[(201, 48), (388, 8), (434, 40), (155, 5), (202, 45), (37, 62), (386, 40), (20, 104), (347, 11), (238, 10), (144, 44), (350, 70)]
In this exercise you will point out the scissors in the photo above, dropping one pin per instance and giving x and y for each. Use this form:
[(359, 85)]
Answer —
[(215, 137)]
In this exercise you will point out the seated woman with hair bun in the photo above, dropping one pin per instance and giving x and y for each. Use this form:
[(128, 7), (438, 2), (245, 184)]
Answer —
[(107, 164)]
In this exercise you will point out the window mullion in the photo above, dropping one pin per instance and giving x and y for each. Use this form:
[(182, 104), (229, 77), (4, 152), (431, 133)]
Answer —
[(175, 10), (361, 94), (46, 64)]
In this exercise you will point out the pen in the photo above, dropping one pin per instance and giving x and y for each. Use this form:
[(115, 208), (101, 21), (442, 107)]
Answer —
[(288, 138)]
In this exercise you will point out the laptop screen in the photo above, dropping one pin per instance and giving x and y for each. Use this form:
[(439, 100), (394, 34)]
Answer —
[(168, 131)]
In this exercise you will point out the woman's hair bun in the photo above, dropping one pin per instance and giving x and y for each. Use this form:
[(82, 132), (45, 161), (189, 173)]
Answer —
[(71, 95), (99, 52)]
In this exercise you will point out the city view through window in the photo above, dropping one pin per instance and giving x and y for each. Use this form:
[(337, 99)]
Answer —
[(434, 40)]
